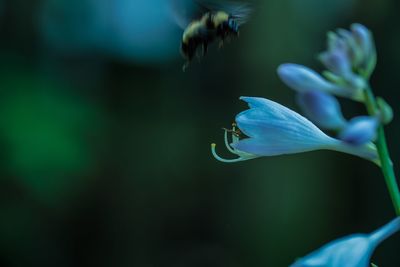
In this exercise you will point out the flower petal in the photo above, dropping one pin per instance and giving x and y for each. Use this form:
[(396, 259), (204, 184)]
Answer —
[(274, 146), (267, 119)]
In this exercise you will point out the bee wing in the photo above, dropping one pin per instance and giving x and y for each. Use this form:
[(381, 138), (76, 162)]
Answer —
[(183, 12), (241, 11)]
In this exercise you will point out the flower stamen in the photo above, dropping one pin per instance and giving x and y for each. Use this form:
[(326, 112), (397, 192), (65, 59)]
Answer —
[(235, 138), (228, 146), (214, 153)]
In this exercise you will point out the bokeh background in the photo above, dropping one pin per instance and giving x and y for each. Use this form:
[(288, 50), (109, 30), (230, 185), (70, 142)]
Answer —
[(105, 143)]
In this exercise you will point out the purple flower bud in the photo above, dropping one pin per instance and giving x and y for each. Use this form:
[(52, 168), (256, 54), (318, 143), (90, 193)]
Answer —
[(302, 79), (351, 46), (322, 109), (350, 54), (365, 42), (336, 42), (360, 130), (363, 37), (337, 61)]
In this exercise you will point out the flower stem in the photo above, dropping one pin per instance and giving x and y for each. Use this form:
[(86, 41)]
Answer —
[(383, 152)]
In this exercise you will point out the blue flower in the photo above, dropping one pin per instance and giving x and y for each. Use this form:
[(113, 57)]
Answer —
[(273, 129), (350, 53), (322, 109), (366, 46), (337, 61), (339, 64), (350, 251), (360, 130), (302, 79)]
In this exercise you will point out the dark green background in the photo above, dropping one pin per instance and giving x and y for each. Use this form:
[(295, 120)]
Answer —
[(106, 161)]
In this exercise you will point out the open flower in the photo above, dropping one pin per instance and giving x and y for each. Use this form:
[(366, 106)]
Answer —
[(350, 251), (273, 129)]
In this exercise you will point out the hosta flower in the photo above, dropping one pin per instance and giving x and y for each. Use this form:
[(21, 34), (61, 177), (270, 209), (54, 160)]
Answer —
[(366, 47), (337, 61), (302, 79), (350, 51), (350, 251), (322, 109), (360, 130), (273, 129)]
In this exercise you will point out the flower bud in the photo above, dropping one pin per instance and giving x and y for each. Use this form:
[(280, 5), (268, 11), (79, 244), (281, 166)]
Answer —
[(337, 61), (363, 38), (335, 42), (302, 79), (351, 46), (350, 53), (360, 130), (385, 111), (322, 109), (365, 42)]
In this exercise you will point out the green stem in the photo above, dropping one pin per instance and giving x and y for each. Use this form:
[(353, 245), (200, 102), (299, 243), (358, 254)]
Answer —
[(383, 152)]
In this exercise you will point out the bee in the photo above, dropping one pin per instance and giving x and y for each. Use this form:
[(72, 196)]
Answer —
[(214, 22)]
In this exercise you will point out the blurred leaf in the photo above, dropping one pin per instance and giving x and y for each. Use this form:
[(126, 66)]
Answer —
[(47, 134)]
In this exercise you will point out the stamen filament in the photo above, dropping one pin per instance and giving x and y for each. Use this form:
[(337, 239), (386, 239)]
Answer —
[(228, 146), (214, 153), (235, 138)]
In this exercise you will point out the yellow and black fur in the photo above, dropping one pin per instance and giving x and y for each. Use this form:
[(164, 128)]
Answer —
[(211, 26)]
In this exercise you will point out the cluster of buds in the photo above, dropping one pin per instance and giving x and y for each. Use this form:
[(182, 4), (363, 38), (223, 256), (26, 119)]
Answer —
[(322, 107), (349, 60)]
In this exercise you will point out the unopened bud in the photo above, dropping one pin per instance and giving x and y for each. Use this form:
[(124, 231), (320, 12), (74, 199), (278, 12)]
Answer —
[(321, 108), (360, 130), (385, 111)]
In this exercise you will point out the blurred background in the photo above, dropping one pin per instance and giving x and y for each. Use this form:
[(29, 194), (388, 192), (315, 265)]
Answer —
[(105, 143)]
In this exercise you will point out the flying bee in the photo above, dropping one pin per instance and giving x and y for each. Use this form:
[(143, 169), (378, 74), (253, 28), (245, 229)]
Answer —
[(213, 22)]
